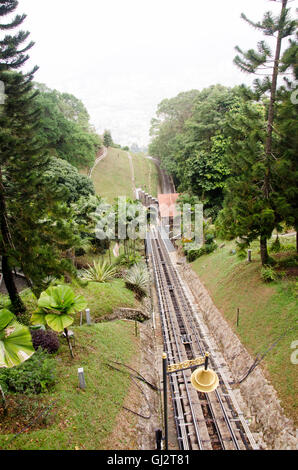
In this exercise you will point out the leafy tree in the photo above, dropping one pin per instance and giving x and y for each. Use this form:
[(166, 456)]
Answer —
[(189, 140), (65, 180), (64, 128), (253, 206), (285, 166), (35, 228), (107, 138), (15, 119)]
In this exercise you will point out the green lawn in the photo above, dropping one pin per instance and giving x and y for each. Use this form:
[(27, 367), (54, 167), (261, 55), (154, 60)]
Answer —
[(266, 311), (103, 297), (79, 420), (146, 174), (112, 176)]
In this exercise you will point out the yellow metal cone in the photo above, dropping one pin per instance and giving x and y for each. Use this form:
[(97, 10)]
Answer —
[(204, 380)]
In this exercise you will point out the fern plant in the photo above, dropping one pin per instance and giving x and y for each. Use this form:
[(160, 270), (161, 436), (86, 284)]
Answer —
[(101, 271), (268, 274), (136, 279)]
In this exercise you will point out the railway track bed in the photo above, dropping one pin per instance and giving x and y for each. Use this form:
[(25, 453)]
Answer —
[(210, 421)]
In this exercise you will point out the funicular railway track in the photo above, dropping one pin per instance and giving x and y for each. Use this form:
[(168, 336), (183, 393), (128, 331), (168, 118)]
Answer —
[(203, 421)]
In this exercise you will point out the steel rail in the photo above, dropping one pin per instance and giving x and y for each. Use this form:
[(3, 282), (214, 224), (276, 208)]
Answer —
[(166, 318), (227, 420), (187, 324)]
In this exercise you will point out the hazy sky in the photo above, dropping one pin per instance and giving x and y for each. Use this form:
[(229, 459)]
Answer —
[(122, 57)]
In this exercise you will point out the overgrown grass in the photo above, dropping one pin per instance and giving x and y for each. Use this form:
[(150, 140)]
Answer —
[(266, 312), (80, 419)]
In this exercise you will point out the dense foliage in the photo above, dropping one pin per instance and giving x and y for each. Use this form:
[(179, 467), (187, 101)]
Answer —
[(45, 339), (64, 128), (37, 375), (235, 150)]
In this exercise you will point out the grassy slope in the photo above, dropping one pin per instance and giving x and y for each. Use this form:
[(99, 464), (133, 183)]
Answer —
[(146, 174), (266, 311), (83, 419), (102, 298), (112, 176)]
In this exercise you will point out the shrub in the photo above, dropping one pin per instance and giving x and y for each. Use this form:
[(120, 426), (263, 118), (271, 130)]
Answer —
[(101, 271), (45, 339), (268, 274), (136, 279), (37, 375), (128, 260), (276, 246), (192, 255)]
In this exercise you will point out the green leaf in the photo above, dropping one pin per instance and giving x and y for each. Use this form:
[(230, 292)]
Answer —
[(79, 304), (59, 322), (38, 318), (15, 345), (5, 317)]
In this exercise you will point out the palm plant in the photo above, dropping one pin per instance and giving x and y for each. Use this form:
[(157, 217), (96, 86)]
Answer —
[(15, 344), (15, 341), (136, 279), (56, 307), (101, 271)]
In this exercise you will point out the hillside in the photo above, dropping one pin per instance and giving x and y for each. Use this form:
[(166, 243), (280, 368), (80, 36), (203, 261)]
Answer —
[(267, 310), (113, 176)]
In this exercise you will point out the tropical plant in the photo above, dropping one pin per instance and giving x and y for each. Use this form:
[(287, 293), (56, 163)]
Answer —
[(56, 307), (268, 273), (101, 271), (15, 341), (37, 375), (128, 260), (45, 339), (136, 279)]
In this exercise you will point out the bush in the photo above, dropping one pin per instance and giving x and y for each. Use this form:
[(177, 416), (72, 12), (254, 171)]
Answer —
[(37, 375), (128, 260), (46, 340), (101, 271), (137, 280), (192, 255), (276, 246), (268, 274)]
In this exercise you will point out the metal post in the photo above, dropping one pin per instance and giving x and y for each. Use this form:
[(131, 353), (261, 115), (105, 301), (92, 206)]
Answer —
[(238, 315), (158, 438), (249, 256), (82, 383), (206, 360), (88, 318), (165, 398)]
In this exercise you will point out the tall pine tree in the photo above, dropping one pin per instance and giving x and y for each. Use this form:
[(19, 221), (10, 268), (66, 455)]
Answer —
[(12, 57), (260, 151)]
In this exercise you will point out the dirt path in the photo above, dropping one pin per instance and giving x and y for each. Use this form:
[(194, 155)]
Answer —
[(100, 157), (132, 170)]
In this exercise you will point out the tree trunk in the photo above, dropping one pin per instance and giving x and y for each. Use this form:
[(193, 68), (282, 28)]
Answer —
[(7, 272), (268, 147), (264, 251), (17, 304)]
